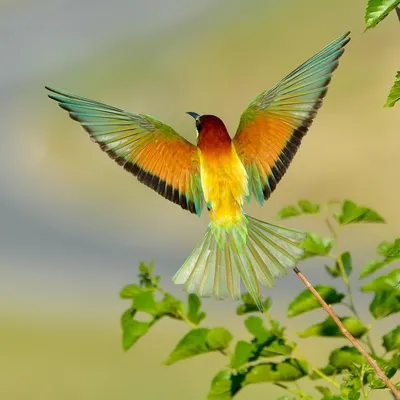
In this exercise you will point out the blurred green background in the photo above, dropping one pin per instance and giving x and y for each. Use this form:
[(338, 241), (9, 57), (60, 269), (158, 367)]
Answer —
[(74, 226)]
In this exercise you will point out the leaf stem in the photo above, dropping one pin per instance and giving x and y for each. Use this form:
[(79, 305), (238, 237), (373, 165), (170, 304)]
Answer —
[(288, 388), (332, 230), (364, 390), (347, 334), (190, 323), (319, 372)]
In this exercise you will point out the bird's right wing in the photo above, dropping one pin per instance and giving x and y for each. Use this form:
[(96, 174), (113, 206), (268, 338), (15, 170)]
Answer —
[(272, 127), (152, 151)]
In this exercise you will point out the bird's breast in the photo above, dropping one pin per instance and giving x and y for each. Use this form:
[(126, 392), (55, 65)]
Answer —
[(224, 182)]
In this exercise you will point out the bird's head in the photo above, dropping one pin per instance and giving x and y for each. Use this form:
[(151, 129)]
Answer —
[(209, 123)]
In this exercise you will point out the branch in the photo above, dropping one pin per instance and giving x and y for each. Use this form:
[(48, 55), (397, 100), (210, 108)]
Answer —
[(348, 335), (346, 280)]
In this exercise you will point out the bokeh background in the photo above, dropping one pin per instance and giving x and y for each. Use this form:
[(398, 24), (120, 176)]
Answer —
[(73, 225)]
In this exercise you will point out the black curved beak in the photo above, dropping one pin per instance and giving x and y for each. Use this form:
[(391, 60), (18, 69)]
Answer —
[(193, 114)]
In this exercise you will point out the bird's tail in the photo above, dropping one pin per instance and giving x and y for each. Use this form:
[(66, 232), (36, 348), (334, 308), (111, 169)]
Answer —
[(224, 256)]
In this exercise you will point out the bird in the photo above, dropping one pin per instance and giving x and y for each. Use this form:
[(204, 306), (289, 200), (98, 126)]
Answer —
[(221, 173)]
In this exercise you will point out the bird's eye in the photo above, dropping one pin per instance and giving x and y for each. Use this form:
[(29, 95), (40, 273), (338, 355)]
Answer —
[(199, 125)]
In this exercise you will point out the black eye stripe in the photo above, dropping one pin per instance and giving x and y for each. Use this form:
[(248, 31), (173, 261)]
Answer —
[(199, 125)]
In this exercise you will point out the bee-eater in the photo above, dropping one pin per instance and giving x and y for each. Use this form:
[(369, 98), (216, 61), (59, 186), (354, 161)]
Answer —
[(221, 172)]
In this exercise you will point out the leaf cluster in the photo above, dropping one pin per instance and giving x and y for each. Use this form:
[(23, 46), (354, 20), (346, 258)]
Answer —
[(266, 355), (376, 12)]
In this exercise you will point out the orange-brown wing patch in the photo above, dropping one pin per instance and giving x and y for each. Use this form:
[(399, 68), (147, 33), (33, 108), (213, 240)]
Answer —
[(267, 157), (152, 151), (272, 127)]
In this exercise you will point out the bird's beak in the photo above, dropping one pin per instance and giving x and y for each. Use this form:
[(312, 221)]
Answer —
[(193, 114)]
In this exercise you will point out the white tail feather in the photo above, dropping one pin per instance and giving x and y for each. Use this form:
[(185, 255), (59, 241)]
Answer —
[(267, 254)]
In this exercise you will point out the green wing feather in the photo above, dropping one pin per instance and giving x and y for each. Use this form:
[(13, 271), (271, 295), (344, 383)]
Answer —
[(152, 151), (272, 127)]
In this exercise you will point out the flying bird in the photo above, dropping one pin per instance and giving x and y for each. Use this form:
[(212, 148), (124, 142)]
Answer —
[(221, 173)]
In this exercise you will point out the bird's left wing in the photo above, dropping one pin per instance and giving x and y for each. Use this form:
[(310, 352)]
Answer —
[(152, 151), (272, 126)]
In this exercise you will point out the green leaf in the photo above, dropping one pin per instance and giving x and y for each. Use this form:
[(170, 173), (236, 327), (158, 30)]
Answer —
[(377, 10), (170, 306), (385, 302), (243, 352), (255, 326), (353, 379), (328, 371), (146, 275), (219, 338), (352, 213), (287, 212), (286, 398), (390, 252), (269, 343), (192, 344), (389, 371), (376, 383), (127, 316), (324, 390), (347, 264), (277, 329), (221, 386), (329, 328), (391, 341), (194, 304), (130, 291), (305, 301), (200, 341), (132, 330), (391, 281), (394, 94), (354, 395), (395, 361), (144, 269), (249, 305), (334, 272), (344, 357), (315, 245), (371, 267), (145, 302), (225, 385), (307, 207), (278, 347), (389, 249), (290, 369)]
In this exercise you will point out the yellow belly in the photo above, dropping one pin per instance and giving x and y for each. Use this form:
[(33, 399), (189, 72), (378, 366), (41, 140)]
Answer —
[(224, 182)]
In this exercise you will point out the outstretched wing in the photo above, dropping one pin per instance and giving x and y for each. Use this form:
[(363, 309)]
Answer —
[(152, 151), (271, 128)]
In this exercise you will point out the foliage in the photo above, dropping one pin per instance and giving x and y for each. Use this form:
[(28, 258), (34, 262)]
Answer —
[(266, 355), (394, 94), (378, 10)]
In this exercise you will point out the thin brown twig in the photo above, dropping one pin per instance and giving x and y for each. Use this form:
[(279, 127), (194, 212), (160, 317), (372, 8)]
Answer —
[(346, 280), (348, 335)]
